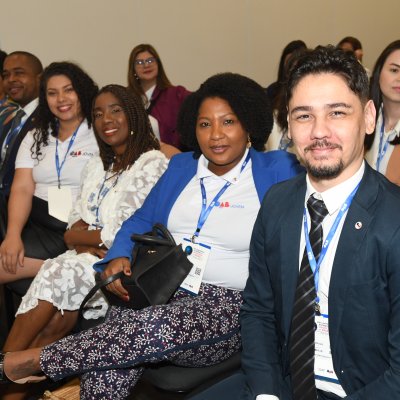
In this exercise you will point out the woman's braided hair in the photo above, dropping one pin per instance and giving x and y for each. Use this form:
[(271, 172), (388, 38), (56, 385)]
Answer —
[(140, 141)]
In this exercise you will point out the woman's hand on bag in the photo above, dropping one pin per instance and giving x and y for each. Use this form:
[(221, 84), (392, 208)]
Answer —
[(113, 267), (12, 254)]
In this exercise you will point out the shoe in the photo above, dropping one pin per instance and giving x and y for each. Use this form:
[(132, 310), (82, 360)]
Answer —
[(5, 379)]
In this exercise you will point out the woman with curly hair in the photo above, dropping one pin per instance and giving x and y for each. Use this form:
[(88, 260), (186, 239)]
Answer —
[(384, 153), (211, 198), (147, 78), (48, 169)]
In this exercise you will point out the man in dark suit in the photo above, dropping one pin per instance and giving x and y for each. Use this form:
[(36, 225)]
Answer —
[(324, 323), (21, 75)]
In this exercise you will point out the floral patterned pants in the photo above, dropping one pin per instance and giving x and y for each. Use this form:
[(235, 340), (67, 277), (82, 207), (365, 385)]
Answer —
[(188, 331)]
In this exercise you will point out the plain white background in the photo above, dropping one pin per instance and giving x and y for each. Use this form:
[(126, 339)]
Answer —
[(195, 38)]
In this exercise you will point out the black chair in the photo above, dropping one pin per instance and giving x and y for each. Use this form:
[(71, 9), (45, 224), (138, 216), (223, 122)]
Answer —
[(175, 379)]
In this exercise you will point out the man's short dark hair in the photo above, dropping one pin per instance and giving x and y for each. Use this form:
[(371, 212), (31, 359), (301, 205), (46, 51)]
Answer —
[(35, 62), (246, 98), (330, 60)]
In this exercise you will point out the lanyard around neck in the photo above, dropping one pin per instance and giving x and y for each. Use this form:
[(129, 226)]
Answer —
[(205, 211), (58, 166), (103, 191), (315, 266)]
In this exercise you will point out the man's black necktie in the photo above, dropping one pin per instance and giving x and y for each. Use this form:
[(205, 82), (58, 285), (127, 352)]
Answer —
[(302, 338)]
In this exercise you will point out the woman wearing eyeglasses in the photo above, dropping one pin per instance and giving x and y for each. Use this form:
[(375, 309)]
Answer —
[(147, 78)]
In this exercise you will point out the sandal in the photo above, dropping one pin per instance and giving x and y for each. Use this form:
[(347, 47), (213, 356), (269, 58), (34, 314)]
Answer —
[(5, 379)]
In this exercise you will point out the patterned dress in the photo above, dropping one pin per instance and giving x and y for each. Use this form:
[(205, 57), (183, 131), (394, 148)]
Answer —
[(105, 201)]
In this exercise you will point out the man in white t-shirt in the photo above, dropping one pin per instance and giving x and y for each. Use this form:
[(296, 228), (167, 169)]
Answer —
[(321, 312)]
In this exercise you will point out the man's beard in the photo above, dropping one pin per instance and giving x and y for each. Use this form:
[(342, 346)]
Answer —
[(324, 171)]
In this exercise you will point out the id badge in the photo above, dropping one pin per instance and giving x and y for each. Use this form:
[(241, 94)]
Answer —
[(323, 367), (60, 202), (198, 254)]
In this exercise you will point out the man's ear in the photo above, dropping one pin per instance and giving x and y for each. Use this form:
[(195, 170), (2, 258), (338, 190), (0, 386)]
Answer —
[(369, 117)]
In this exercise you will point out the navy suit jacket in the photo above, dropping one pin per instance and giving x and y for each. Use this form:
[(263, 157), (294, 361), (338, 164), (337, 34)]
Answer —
[(8, 167), (268, 168), (364, 292)]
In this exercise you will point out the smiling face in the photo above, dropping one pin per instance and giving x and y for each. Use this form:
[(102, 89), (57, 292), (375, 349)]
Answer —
[(147, 70), (21, 82), (110, 122), (220, 135), (62, 99), (328, 122), (389, 79)]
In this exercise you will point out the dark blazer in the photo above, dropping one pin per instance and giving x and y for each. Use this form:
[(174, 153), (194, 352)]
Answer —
[(164, 107), (8, 167), (364, 292)]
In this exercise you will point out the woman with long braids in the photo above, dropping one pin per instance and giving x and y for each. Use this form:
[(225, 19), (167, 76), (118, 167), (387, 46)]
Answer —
[(384, 154), (113, 186), (48, 169)]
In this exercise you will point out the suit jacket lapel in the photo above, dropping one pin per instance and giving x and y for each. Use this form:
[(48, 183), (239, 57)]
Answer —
[(291, 232), (350, 241)]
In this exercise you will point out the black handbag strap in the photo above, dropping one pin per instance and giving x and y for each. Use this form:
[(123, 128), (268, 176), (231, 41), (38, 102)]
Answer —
[(166, 238), (98, 286)]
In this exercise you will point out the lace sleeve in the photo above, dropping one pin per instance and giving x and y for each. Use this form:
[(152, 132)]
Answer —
[(133, 189)]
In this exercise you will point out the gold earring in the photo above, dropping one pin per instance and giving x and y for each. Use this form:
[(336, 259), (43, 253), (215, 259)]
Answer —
[(248, 141)]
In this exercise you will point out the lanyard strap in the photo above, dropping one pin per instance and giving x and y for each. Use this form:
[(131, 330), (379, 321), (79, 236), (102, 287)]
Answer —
[(315, 266), (205, 211), (103, 191), (382, 147), (58, 166)]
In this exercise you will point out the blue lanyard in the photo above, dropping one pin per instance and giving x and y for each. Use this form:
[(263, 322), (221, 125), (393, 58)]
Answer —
[(103, 191), (58, 166), (205, 211), (315, 266), (382, 147)]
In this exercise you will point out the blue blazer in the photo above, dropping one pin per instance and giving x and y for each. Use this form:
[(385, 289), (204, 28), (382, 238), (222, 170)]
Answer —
[(364, 292), (268, 168)]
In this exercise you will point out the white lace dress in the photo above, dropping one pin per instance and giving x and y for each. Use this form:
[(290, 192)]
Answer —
[(65, 280)]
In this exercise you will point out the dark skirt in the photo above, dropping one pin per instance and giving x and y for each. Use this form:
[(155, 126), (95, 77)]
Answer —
[(43, 235)]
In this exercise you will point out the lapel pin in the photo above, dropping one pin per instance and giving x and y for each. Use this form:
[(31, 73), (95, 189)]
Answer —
[(358, 225)]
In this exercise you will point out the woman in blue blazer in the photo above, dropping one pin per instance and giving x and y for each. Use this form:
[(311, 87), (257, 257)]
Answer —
[(223, 181)]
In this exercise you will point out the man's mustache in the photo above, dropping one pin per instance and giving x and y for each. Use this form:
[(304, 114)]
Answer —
[(322, 143)]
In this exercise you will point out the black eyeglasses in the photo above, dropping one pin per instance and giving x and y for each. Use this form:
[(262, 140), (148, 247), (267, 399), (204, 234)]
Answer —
[(147, 61)]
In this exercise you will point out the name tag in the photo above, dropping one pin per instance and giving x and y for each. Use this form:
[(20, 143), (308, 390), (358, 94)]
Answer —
[(198, 254), (60, 202), (323, 367)]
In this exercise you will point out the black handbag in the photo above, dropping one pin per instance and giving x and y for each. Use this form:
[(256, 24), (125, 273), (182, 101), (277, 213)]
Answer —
[(158, 267)]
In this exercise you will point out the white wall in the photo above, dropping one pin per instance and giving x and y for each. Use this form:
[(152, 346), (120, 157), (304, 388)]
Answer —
[(195, 38)]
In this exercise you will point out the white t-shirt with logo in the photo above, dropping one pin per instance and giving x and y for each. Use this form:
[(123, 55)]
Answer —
[(228, 227), (44, 170)]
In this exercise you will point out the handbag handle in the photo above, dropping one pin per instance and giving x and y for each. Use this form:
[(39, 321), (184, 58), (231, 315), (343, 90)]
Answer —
[(98, 286), (166, 240)]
